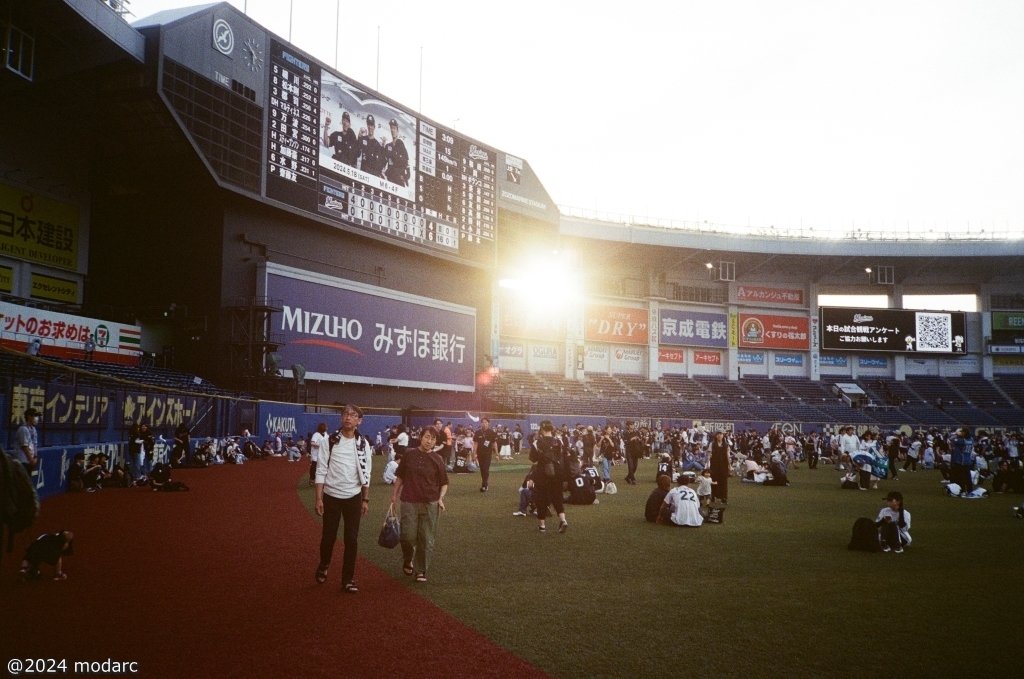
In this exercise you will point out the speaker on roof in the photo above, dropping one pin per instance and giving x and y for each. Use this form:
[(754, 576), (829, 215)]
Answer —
[(299, 373)]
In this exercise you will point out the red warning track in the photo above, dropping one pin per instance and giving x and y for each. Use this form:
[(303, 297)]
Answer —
[(218, 581)]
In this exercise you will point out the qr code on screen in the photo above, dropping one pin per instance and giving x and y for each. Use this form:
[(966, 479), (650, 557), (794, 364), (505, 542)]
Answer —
[(934, 332)]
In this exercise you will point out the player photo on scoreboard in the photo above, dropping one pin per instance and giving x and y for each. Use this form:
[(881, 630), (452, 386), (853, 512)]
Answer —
[(365, 139)]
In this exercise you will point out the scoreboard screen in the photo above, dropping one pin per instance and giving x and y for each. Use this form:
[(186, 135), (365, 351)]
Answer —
[(346, 154), (900, 331)]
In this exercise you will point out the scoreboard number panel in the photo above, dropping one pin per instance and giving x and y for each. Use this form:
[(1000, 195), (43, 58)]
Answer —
[(330, 152)]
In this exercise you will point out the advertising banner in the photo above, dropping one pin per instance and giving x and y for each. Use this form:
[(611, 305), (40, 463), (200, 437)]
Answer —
[(679, 327), (762, 331), (767, 295), (54, 289), (37, 229), (350, 332), (545, 358), (622, 325), (902, 331), (707, 358), (670, 355), (750, 357), (512, 356), (68, 336), (627, 360), (789, 359)]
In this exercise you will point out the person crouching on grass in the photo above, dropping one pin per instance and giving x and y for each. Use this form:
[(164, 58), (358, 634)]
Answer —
[(421, 482)]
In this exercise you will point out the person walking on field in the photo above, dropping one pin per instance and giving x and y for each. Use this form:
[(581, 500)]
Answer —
[(421, 482), (547, 476), (343, 492)]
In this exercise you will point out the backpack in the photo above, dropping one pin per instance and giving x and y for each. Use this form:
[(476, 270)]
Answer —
[(865, 536), (19, 503)]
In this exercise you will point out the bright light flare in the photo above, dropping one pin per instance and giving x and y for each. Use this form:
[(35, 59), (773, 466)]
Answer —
[(544, 284)]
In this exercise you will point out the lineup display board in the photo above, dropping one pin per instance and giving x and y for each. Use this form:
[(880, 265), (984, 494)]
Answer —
[(899, 331), (344, 153)]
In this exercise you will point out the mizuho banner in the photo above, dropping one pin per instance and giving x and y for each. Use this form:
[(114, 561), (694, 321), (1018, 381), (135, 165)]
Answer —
[(344, 331)]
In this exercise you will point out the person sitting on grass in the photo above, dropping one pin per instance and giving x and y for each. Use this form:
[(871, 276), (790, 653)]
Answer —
[(581, 491), (893, 523), (48, 548), (681, 506), (526, 496), (656, 499), (777, 469), (752, 471)]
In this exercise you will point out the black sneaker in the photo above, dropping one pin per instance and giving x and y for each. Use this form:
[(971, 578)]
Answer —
[(350, 588)]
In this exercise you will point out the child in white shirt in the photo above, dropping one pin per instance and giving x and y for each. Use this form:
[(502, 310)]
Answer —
[(704, 484)]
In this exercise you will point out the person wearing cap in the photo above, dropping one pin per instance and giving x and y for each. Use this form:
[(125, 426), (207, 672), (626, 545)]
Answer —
[(343, 142), (397, 158), (893, 523), (371, 153), (27, 441)]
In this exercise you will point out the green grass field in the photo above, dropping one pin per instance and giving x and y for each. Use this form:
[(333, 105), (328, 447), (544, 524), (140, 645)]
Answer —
[(772, 591)]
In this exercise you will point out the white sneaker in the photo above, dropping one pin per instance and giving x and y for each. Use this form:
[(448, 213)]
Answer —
[(518, 513)]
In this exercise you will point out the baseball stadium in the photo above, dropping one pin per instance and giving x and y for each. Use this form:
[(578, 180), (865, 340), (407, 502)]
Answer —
[(209, 235)]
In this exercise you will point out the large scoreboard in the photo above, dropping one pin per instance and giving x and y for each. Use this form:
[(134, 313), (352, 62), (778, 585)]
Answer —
[(344, 153)]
